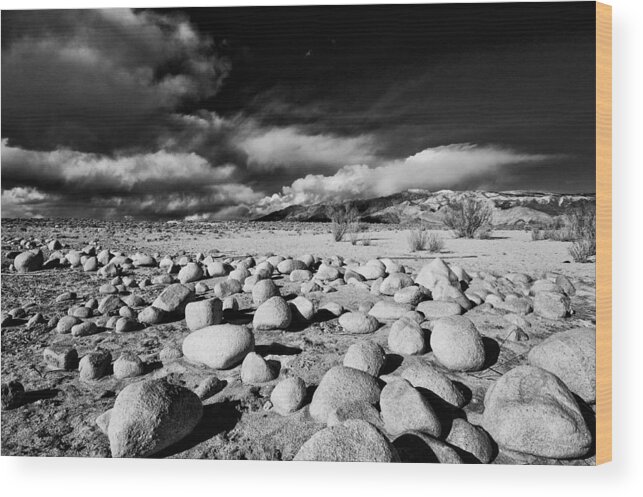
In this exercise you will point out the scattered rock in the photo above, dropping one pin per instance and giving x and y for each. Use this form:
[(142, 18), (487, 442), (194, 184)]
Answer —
[(61, 357), (366, 356), (149, 416), (289, 395), (422, 374), (12, 395), (406, 337), (95, 365), (471, 439), (389, 311), (125, 325), (66, 323), (352, 441), (273, 314), (219, 346), (457, 345), (209, 386), (28, 261), (571, 356), (264, 290), (84, 329), (404, 408), (203, 313), (358, 323), (255, 369), (340, 385), (174, 298), (302, 310), (151, 315), (529, 410), (552, 305)]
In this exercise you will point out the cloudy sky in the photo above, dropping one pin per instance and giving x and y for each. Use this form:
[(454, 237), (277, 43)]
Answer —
[(227, 113)]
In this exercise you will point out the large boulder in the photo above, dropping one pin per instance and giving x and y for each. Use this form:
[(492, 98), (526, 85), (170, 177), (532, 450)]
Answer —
[(570, 355), (404, 408), (395, 282), (424, 375), (358, 323), (289, 265), (436, 310), (434, 272), (353, 441), (219, 346), (552, 305), (273, 314), (340, 385), (31, 260), (457, 345), (174, 298), (472, 440), (389, 311), (289, 395), (203, 313), (149, 416), (302, 310), (190, 272), (263, 290), (406, 337), (529, 410), (226, 288), (366, 356)]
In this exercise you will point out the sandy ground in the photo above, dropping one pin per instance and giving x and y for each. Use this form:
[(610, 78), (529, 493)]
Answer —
[(59, 417)]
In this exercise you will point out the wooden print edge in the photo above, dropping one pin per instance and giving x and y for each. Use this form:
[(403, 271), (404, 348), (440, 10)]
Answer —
[(603, 233)]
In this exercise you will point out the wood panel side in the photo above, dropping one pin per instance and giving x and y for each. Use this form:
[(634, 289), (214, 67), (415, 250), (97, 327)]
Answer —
[(603, 233)]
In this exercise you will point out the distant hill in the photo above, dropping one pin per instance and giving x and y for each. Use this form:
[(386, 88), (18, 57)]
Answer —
[(512, 209)]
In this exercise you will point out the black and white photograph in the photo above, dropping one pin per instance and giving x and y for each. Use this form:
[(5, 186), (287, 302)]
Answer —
[(347, 233)]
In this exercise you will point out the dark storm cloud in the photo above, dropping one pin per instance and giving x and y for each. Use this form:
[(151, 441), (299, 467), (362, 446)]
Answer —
[(97, 80), (221, 113)]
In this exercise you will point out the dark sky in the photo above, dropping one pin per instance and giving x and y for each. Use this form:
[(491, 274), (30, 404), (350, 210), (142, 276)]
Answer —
[(225, 112)]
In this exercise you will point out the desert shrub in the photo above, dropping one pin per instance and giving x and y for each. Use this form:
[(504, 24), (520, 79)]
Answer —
[(353, 235), (417, 239), (434, 243), (342, 218), (581, 250), (537, 234), (366, 240), (468, 218)]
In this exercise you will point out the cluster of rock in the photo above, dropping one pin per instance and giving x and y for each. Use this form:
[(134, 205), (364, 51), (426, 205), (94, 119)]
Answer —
[(364, 415)]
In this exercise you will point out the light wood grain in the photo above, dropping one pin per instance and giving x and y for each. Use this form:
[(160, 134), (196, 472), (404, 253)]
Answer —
[(603, 233)]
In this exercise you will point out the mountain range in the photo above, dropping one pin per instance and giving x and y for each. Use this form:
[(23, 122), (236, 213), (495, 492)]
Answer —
[(511, 209)]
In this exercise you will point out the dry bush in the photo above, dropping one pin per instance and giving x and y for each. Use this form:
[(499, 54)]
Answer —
[(434, 243), (468, 218), (417, 239), (342, 218), (581, 250), (366, 240)]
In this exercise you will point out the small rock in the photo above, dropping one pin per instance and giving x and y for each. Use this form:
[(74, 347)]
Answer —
[(84, 329), (457, 345), (406, 338), (273, 314), (190, 272), (358, 323), (203, 313), (209, 386), (254, 369), (13, 394), (219, 346), (340, 385), (389, 311), (151, 315), (61, 357), (366, 356), (95, 365), (264, 290), (289, 395), (128, 365), (66, 323), (471, 439)]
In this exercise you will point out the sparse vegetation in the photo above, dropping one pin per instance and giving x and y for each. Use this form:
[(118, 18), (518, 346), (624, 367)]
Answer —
[(578, 226), (366, 239), (434, 243), (422, 239), (343, 219), (468, 218)]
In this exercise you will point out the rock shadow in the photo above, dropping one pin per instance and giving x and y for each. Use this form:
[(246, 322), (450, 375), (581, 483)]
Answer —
[(491, 352), (275, 348), (445, 412), (392, 362)]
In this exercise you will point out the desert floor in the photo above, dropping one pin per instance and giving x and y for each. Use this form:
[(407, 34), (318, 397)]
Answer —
[(59, 418)]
